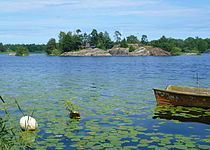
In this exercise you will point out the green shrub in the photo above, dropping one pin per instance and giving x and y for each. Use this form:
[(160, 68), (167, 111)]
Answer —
[(22, 51), (101, 46), (56, 52), (123, 44), (176, 51), (132, 49)]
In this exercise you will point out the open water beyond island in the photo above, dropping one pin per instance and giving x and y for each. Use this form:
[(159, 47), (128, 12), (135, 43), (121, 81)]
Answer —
[(114, 96)]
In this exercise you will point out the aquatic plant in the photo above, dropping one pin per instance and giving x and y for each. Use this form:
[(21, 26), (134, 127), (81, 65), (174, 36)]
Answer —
[(11, 137), (73, 109)]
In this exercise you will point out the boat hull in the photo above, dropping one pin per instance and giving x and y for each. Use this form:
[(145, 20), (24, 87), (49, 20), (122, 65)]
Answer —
[(181, 99)]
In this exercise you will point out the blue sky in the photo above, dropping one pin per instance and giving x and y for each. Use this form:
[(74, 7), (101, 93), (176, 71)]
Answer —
[(36, 21)]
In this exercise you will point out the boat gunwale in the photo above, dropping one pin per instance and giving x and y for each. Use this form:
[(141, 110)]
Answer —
[(181, 93)]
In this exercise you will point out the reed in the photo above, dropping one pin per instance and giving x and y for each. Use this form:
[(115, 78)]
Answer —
[(11, 137)]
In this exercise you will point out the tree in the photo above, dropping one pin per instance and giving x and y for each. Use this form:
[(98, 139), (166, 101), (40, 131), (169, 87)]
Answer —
[(69, 42), (202, 45), (51, 45), (85, 39), (107, 41), (132, 39), (190, 44), (22, 51), (94, 39), (117, 36), (166, 44), (78, 31), (2, 48), (123, 43), (144, 39), (104, 41), (176, 51)]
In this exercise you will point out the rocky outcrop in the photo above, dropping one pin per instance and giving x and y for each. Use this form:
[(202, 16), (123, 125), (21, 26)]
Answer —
[(119, 51), (189, 54), (88, 52), (157, 51), (12, 54), (140, 51)]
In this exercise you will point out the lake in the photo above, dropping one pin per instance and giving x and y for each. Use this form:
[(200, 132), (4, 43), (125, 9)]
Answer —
[(114, 96)]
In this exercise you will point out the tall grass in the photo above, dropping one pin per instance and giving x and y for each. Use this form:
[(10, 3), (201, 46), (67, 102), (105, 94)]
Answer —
[(12, 137)]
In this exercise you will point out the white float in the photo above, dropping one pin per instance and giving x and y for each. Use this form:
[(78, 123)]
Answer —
[(28, 123)]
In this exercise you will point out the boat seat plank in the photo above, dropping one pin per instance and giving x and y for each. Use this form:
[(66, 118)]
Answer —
[(188, 90)]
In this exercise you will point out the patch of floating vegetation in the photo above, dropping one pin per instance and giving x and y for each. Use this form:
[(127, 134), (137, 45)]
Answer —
[(104, 125)]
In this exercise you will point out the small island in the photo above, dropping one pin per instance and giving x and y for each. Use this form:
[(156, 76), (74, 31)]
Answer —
[(101, 44), (119, 51)]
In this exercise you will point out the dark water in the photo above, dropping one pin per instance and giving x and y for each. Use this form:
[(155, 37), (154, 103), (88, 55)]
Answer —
[(114, 96)]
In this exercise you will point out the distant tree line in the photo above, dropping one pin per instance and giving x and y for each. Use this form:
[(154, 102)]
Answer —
[(73, 41), (177, 46), (33, 48)]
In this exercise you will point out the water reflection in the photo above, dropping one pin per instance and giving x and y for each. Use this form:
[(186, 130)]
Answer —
[(183, 114)]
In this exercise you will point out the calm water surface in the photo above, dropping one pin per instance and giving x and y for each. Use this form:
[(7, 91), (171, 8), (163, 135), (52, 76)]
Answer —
[(115, 98)]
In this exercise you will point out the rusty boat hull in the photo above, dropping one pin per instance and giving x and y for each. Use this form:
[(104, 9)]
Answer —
[(183, 96)]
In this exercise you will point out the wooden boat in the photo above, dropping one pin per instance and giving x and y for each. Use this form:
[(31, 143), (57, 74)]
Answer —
[(183, 96)]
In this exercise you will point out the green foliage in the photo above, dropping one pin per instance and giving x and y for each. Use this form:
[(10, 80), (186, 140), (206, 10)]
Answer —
[(31, 47), (176, 51), (12, 137), (2, 48), (188, 45), (7, 134), (85, 39), (56, 52), (166, 44), (117, 36), (195, 51), (105, 41), (94, 37), (144, 39), (132, 39), (202, 45), (101, 46), (70, 106), (78, 31), (22, 51), (69, 41), (51, 45), (123, 43), (132, 49)]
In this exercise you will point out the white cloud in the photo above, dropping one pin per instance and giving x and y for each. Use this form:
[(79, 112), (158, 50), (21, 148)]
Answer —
[(23, 5), (161, 12)]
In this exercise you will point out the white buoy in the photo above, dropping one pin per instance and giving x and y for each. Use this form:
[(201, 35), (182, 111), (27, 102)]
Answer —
[(28, 123)]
